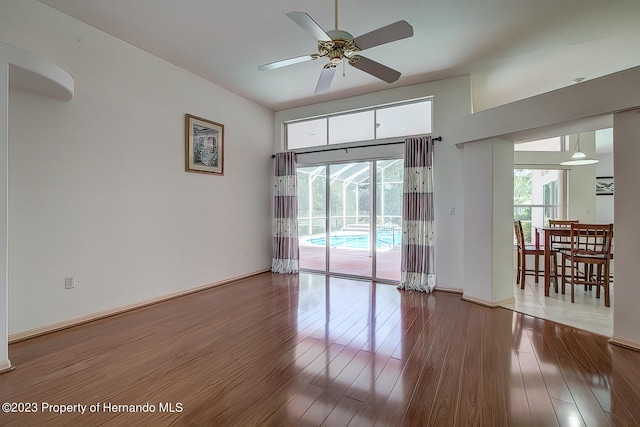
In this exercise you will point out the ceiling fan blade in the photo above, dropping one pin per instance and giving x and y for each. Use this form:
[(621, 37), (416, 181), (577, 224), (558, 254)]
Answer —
[(309, 25), (392, 32), (376, 69), (324, 82), (285, 62)]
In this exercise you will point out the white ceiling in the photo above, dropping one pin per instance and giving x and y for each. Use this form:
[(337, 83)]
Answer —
[(512, 49)]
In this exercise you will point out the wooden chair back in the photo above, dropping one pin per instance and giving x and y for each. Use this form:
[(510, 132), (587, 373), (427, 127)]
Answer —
[(592, 240), (517, 225), (562, 222), (560, 241)]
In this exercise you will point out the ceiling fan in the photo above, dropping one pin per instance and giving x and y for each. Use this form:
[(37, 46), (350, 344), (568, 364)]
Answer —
[(337, 45)]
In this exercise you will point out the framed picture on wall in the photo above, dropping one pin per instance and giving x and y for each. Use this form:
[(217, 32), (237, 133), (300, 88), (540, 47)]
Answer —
[(604, 186), (204, 145)]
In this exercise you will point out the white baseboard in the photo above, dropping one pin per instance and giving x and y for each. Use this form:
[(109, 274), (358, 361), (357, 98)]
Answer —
[(32, 333), (5, 366), (625, 343), (449, 290), (486, 303)]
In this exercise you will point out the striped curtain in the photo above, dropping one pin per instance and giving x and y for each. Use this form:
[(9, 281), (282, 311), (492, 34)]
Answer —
[(285, 216), (418, 252)]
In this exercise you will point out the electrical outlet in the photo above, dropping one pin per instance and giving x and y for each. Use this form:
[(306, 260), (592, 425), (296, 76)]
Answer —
[(69, 282), (452, 210)]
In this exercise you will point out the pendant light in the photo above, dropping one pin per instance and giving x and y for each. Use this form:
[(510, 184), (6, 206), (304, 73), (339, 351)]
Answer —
[(579, 158)]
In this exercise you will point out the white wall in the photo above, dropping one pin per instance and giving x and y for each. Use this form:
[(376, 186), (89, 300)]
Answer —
[(626, 319), (97, 187), (582, 182), (451, 101)]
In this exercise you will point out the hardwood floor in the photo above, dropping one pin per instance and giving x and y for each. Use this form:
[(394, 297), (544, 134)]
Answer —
[(309, 350), (352, 262)]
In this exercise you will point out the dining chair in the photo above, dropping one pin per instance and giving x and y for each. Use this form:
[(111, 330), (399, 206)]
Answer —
[(558, 244), (523, 251), (590, 245), (562, 222)]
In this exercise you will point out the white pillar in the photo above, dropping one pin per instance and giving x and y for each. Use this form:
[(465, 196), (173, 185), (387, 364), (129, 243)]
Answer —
[(488, 222), (4, 214), (626, 294)]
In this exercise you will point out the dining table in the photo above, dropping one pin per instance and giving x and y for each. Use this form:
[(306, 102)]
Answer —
[(547, 232)]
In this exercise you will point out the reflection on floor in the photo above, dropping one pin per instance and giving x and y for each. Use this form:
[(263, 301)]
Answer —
[(587, 312), (355, 262)]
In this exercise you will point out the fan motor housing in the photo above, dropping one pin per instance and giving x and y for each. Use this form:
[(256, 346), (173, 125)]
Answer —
[(341, 46), (340, 35)]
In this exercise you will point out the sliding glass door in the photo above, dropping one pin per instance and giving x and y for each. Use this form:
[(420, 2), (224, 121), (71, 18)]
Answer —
[(312, 217), (389, 177), (350, 218), (350, 221)]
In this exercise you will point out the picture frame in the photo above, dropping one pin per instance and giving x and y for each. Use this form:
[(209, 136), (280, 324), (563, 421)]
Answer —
[(204, 145), (604, 186)]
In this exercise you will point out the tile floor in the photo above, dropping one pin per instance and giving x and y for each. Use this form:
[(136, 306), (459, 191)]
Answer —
[(587, 312)]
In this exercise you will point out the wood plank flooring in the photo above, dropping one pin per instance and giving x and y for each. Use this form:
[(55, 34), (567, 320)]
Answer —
[(309, 350)]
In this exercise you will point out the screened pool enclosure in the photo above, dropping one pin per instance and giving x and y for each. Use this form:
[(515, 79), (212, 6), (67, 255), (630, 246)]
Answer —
[(350, 218)]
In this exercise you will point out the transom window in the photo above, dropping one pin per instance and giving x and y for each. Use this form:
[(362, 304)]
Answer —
[(375, 123)]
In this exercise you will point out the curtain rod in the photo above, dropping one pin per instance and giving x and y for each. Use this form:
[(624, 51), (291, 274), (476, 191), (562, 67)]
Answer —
[(437, 138)]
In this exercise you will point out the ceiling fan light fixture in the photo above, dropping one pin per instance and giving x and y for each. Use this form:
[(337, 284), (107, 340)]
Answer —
[(337, 45)]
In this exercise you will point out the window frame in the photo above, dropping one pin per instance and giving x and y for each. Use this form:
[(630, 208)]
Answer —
[(329, 146), (560, 207)]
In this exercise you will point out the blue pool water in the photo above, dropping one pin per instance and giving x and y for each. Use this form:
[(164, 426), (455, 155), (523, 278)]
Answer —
[(358, 241)]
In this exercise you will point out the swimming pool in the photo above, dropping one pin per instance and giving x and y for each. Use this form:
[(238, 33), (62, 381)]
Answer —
[(342, 239)]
